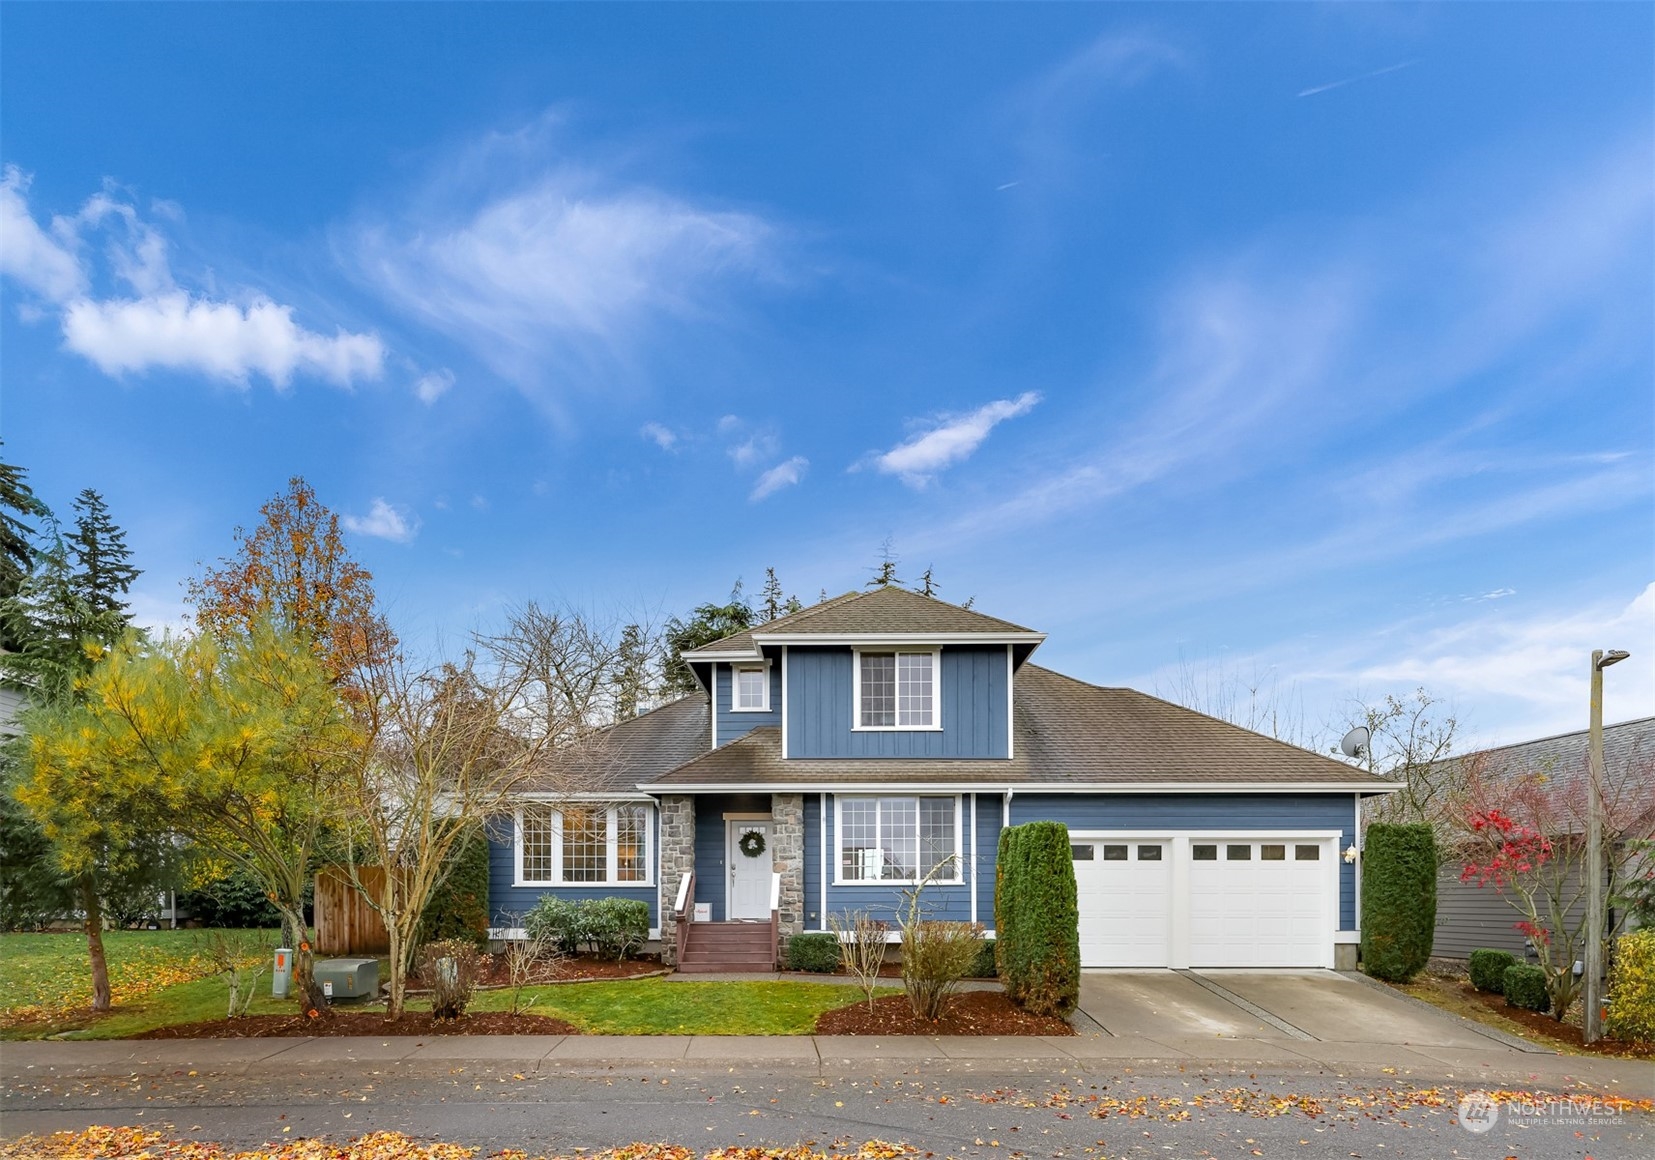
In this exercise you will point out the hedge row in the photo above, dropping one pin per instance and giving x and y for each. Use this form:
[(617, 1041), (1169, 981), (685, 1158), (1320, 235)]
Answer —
[(1632, 988)]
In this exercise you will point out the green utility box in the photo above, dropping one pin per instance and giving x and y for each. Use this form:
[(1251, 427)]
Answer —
[(347, 978)]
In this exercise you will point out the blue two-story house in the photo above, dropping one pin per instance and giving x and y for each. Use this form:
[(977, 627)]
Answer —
[(837, 756)]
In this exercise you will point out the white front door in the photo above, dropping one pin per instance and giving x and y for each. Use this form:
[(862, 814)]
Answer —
[(1124, 891), (749, 893)]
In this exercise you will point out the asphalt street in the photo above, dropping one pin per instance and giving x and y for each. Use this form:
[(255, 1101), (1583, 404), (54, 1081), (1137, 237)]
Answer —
[(1014, 1117)]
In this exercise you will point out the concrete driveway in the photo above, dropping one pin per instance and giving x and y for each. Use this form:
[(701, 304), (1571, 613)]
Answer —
[(1285, 1017)]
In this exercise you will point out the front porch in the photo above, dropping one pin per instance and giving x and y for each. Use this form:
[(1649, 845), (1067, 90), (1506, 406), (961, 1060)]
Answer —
[(732, 879)]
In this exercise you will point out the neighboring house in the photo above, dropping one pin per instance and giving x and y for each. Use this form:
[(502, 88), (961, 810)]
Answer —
[(1471, 916), (855, 746)]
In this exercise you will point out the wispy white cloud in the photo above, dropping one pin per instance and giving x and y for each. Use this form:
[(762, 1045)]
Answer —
[(44, 263), (951, 439), (385, 521), (784, 474), (430, 387), (554, 264), (1378, 72), (156, 324), (660, 435)]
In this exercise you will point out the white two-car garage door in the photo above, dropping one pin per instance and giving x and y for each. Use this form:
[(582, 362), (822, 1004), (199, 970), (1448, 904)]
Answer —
[(1241, 901)]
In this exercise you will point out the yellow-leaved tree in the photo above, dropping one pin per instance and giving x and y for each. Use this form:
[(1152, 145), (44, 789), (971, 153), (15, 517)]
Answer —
[(237, 745)]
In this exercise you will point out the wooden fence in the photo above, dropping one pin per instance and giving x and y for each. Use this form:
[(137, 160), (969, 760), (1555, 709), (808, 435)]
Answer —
[(345, 923)]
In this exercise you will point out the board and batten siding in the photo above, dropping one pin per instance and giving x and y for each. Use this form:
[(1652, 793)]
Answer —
[(972, 697), (1214, 811), (508, 902), (732, 724)]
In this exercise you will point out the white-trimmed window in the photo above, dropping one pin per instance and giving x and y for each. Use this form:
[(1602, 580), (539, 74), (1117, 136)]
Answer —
[(573, 845), (896, 690), (750, 689), (898, 839)]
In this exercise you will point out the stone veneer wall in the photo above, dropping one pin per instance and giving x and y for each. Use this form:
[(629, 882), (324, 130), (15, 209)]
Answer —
[(677, 857), (787, 836)]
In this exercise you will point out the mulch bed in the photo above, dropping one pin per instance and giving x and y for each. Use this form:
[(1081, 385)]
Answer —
[(363, 1023), (1548, 1028), (492, 970), (966, 1013)]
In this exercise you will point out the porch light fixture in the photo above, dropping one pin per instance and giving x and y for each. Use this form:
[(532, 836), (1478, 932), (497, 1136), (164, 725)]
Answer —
[(1350, 853)]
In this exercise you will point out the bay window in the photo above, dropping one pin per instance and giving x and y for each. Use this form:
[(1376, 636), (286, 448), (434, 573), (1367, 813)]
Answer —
[(569, 845), (898, 839), (896, 690)]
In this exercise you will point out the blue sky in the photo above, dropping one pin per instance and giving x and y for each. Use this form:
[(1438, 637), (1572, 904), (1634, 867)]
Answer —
[(1309, 345)]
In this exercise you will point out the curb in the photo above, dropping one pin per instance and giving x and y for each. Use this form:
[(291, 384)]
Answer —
[(1515, 1042)]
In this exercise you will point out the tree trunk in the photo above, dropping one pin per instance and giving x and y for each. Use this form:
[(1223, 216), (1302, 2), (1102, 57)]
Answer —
[(305, 991), (399, 973), (93, 906)]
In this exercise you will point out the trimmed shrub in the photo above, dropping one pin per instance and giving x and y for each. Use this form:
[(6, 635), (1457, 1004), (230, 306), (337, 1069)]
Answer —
[(616, 928), (449, 968), (1399, 900), (459, 907), (1005, 886), (1525, 986), (558, 921), (1039, 955), (1631, 1017), (1488, 969), (984, 967), (817, 951), (935, 957)]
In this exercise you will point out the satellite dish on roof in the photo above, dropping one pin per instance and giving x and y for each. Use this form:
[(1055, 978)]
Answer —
[(1355, 743)]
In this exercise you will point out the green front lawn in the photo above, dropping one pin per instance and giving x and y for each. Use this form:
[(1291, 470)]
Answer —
[(160, 979), (156, 977), (663, 1007)]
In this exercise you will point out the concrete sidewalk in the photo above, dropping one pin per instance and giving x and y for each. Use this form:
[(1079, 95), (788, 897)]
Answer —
[(25, 1064)]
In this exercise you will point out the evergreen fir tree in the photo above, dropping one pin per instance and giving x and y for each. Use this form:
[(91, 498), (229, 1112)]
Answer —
[(103, 563), (927, 585), (884, 573), (631, 672), (772, 602)]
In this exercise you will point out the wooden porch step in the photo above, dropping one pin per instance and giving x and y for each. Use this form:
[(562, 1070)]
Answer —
[(711, 947)]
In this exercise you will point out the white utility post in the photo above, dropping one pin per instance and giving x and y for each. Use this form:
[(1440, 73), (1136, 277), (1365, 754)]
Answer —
[(1592, 1024)]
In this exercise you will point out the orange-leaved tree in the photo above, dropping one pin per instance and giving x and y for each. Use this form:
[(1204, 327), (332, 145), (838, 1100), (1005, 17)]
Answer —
[(293, 569)]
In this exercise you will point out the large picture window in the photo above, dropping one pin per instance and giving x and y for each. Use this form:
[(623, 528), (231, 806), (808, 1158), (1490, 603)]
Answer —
[(898, 839), (583, 844), (896, 690)]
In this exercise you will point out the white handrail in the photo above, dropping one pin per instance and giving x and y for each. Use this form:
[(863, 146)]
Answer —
[(683, 893), (775, 891)]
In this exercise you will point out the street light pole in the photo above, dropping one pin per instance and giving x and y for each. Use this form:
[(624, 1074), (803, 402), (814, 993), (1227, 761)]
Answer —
[(1592, 1023)]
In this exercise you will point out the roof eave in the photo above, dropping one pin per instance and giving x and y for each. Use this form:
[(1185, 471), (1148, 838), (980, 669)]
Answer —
[(989, 785), (988, 636)]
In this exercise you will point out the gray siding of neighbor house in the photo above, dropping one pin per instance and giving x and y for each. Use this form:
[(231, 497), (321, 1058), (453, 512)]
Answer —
[(1470, 917), (507, 903), (1207, 811), (732, 724), (710, 868), (973, 700)]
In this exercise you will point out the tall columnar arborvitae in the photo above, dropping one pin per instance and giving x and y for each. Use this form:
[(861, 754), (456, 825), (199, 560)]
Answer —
[(1399, 899), (1036, 901)]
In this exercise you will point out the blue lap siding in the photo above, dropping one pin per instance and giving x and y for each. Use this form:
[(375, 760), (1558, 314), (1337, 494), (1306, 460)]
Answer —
[(1205, 812)]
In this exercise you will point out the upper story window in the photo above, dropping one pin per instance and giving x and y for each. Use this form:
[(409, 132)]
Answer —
[(896, 690), (750, 689)]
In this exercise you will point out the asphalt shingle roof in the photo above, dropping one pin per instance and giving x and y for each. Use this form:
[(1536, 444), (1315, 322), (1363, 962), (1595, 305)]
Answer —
[(1628, 762), (873, 612), (1065, 731), (619, 757)]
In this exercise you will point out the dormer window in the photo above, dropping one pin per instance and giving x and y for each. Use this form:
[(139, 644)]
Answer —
[(751, 689), (896, 690)]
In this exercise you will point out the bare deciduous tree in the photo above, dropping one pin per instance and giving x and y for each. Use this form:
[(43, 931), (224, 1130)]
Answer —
[(1253, 700)]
